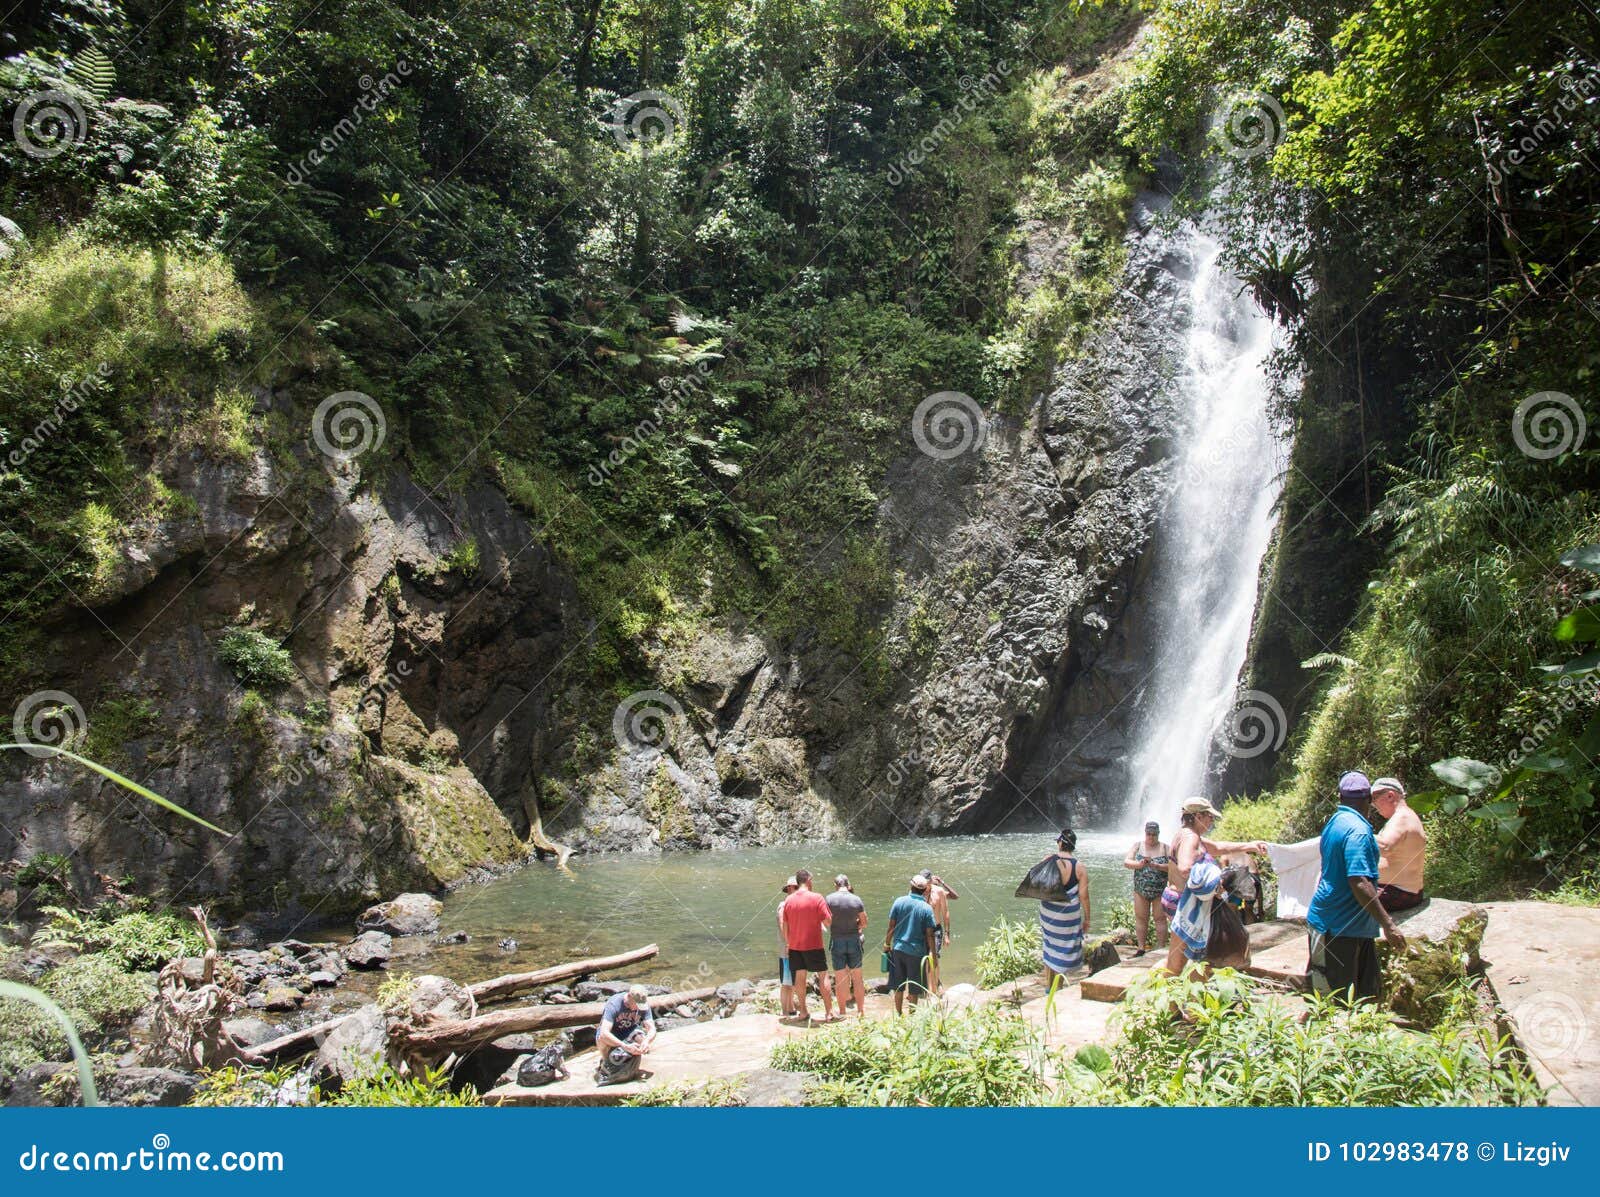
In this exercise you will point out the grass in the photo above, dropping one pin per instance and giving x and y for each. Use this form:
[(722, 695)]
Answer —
[(134, 941), (982, 1056), (1231, 1049), (1011, 950)]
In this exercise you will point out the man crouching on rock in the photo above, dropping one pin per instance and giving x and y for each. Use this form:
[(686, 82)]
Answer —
[(627, 1029)]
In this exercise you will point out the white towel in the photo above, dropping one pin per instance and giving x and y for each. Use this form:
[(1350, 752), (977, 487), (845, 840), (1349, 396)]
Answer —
[(1299, 869), (1192, 922)]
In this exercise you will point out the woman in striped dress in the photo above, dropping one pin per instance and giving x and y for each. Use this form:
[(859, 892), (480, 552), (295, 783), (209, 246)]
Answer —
[(1062, 924)]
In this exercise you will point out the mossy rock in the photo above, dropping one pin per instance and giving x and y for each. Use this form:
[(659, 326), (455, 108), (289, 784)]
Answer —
[(1442, 943)]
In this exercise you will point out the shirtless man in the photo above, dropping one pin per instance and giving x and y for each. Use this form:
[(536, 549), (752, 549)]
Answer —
[(939, 897), (1188, 846), (1402, 847)]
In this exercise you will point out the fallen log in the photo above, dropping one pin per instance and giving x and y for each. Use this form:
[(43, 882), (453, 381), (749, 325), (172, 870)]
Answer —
[(295, 1043), (463, 1034), (496, 988)]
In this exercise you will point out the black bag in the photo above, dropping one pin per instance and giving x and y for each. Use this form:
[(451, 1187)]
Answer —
[(543, 1066), (1043, 882), (1229, 942), (618, 1066)]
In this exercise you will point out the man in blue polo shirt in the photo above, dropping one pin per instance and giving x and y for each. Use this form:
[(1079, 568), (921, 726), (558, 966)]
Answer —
[(1345, 913)]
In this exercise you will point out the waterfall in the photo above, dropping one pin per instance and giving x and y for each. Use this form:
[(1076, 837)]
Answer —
[(1214, 534)]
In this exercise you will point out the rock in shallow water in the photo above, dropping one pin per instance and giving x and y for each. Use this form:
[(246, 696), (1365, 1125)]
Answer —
[(407, 914), (371, 949)]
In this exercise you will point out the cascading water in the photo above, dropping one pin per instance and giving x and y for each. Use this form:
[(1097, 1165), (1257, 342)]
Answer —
[(1214, 535)]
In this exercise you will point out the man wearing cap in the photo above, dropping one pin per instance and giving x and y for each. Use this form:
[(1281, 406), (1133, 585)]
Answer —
[(1345, 912), (909, 942), (1402, 847), (849, 921), (1190, 848), (627, 1028), (804, 917), (785, 974)]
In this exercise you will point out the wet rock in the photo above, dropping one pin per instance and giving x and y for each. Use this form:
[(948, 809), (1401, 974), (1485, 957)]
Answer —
[(371, 949), (599, 991), (358, 1044), (453, 937), (250, 1031), (407, 914), (507, 944), (282, 997), (736, 991), (322, 979)]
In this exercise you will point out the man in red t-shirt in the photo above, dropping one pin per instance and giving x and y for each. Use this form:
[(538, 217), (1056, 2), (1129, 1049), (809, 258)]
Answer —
[(804, 916)]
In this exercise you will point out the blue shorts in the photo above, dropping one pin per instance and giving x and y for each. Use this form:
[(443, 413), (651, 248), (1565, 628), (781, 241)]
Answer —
[(846, 952), (785, 977)]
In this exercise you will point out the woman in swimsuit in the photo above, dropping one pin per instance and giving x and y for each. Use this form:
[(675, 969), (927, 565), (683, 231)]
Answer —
[(1189, 847), (1149, 859)]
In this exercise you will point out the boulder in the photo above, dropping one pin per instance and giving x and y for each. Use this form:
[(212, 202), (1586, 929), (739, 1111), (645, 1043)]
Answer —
[(56, 1084), (371, 949), (772, 1087), (322, 978), (736, 991), (599, 991), (250, 1031), (283, 997), (956, 997), (407, 914), (359, 1043), (1443, 939), (438, 997)]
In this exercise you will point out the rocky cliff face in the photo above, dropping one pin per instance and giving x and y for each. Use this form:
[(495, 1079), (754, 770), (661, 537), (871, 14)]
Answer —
[(427, 721)]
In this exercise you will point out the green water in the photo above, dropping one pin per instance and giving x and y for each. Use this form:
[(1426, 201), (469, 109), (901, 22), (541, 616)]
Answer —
[(715, 913)]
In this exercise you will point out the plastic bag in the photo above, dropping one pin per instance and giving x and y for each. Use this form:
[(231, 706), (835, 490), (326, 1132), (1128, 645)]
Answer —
[(1043, 882), (543, 1067)]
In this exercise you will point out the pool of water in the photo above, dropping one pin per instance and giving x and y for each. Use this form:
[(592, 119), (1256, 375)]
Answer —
[(714, 914)]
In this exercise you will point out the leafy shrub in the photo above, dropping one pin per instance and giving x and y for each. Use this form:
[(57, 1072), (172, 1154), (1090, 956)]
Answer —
[(241, 1086), (382, 1086), (255, 658), (981, 1056), (1010, 950), (1232, 1049), (132, 941), (96, 995)]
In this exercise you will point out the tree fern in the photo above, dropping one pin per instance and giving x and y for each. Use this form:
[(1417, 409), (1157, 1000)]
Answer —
[(94, 72)]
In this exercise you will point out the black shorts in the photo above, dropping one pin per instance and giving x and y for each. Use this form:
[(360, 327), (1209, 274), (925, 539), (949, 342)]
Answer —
[(808, 960), (1341, 964), (905, 972)]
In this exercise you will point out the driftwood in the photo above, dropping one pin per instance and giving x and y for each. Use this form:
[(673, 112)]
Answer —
[(462, 1034), (296, 1043), (500, 987), (187, 1021)]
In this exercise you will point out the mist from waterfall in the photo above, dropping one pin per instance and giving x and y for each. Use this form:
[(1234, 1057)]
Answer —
[(1214, 535)]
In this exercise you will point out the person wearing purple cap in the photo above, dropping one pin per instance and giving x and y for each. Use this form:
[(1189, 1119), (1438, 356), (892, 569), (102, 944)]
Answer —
[(1345, 913)]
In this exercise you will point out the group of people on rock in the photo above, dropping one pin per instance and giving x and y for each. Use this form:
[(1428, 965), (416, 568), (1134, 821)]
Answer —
[(917, 932), (1365, 878)]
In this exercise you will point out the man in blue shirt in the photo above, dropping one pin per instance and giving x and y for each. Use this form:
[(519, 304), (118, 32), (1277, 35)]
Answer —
[(1345, 913), (909, 942)]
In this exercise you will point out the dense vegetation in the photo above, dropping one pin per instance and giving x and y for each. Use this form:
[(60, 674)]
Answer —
[(469, 217), (535, 234), (1227, 1050), (1420, 204)]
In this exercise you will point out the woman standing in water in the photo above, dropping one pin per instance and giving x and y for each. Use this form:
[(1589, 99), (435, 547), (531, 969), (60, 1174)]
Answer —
[(1149, 859), (1062, 923)]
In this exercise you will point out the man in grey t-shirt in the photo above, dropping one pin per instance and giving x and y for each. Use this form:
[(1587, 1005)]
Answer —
[(849, 919)]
